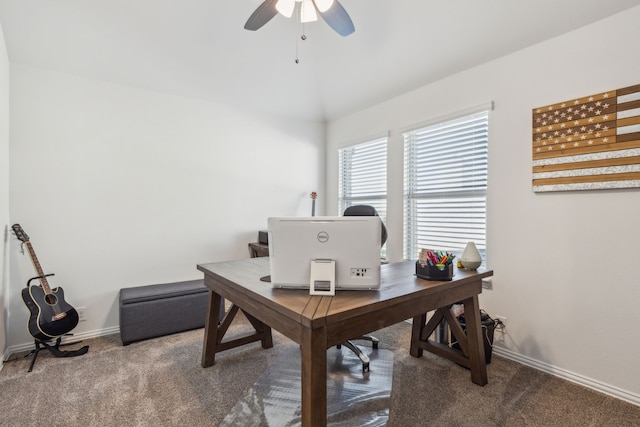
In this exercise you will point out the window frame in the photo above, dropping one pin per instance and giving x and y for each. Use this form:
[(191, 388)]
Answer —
[(456, 193), (370, 159)]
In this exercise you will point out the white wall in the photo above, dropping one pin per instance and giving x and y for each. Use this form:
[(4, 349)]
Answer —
[(565, 263), (121, 187), (4, 192)]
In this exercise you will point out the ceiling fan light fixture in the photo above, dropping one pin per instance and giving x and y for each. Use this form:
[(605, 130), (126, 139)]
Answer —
[(323, 5), (308, 11), (332, 12), (285, 7)]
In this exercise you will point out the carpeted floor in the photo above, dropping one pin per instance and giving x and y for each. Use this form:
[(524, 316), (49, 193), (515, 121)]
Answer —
[(159, 382)]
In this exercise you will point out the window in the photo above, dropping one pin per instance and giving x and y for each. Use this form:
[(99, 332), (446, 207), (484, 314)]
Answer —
[(363, 176), (445, 185)]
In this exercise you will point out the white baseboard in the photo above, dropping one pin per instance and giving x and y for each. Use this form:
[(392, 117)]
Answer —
[(569, 376), (5, 356), (67, 339)]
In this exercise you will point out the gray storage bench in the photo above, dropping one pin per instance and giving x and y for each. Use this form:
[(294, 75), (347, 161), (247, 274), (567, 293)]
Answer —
[(156, 310)]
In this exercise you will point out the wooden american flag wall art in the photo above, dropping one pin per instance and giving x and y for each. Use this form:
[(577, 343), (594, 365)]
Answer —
[(588, 143)]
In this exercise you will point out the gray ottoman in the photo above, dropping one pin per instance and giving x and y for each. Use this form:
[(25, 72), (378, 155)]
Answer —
[(156, 310)]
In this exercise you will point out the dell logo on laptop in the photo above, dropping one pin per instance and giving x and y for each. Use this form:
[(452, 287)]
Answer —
[(323, 237)]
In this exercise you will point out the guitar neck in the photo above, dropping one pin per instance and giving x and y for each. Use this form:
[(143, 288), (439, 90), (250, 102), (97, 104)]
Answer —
[(38, 267)]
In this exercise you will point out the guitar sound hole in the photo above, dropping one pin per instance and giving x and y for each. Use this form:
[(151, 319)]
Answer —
[(51, 299)]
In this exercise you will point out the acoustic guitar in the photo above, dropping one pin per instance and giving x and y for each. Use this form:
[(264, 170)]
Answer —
[(314, 196), (51, 316)]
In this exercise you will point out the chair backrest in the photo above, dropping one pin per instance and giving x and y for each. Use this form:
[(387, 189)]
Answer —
[(366, 210)]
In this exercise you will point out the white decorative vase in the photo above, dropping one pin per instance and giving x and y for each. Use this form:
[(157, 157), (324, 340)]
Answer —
[(470, 258)]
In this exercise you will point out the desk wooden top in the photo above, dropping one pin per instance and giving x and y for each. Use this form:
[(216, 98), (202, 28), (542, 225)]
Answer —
[(401, 296)]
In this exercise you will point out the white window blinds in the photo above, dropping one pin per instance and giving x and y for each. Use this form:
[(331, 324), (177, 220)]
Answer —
[(363, 177), (445, 185)]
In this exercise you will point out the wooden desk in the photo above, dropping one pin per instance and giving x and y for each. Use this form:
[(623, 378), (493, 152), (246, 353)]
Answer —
[(319, 322)]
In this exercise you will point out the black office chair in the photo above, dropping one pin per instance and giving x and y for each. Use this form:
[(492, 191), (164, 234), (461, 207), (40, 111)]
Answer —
[(364, 210)]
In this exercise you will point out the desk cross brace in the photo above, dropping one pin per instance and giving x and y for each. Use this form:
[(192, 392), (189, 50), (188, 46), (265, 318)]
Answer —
[(262, 333), (422, 330)]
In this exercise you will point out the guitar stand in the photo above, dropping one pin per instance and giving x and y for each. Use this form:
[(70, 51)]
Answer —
[(55, 350)]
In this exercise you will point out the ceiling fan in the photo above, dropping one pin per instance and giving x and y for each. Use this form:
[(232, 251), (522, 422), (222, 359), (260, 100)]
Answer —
[(330, 10)]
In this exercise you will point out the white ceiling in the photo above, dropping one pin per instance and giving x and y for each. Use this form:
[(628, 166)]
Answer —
[(199, 49)]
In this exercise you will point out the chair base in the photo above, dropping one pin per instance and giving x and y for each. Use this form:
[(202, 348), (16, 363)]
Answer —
[(355, 349)]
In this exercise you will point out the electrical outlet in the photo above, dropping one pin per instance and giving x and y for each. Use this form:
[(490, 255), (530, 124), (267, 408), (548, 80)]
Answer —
[(501, 323), (360, 272), (82, 315)]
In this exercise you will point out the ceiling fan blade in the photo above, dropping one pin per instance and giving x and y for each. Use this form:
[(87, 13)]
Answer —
[(263, 14), (338, 19)]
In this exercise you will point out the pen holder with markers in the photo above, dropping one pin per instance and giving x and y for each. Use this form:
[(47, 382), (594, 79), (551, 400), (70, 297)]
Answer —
[(434, 272)]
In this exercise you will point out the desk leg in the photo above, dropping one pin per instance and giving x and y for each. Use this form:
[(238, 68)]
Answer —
[(211, 330), (477, 362), (472, 353), (314, 377), (418, 323)]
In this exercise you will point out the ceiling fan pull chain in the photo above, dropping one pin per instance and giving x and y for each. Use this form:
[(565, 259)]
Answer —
[(302, 36), (297, 32)]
